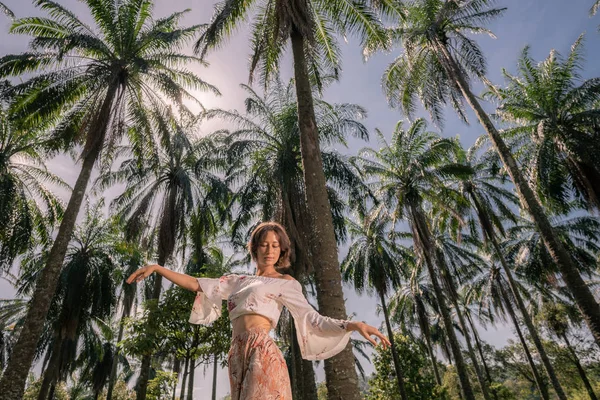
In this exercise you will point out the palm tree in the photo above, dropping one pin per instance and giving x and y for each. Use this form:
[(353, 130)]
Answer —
[(373, 262), (90, 81), (412, 305), (491, 205), (490, 288), (28, 206), (410, 173), (439, 60), (556, 118), (160, 195), (86, 291), (130, 259), (556, 316), (309, 26), (457, 262), (264, 165)]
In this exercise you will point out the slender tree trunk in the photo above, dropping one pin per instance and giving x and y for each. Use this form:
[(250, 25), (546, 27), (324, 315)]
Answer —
[(541, 385), (424, 326), (308, 381), (481, 355), (190, 389), (184, 380), (166, 245), (214, 382), (177, 370), (527, 319), (397, 368), (589, 307), (423, 235), (113, 370), (51, 373), (461, 320), (304, 386), (14, 378), (52, 391), (580, 370), (340, 372)]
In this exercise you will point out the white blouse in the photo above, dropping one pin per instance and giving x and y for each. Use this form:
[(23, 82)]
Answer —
[(319, 337)]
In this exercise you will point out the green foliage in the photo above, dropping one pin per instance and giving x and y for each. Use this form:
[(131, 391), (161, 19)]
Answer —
[(419, 380), (28, 206), (160, 388), (170, 333), (120, 392), (34, 385)]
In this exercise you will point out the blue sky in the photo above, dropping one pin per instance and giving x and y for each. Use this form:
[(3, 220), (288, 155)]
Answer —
[(541, 24)]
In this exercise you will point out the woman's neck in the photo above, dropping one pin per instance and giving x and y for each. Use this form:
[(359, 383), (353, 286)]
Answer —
[(268, 270)]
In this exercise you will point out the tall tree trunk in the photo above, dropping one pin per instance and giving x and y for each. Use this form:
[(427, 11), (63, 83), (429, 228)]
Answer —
[(397, 368), (214, 382), (580, 370), (176, 370), (423, 235), (113, 369), (166, 246), (488, 375), (589, 307), (14, 378), (184, 380), (541, 385), (424, 326), (447, 278), (51, 373), (190, 389), (526, 318), (340, 372)]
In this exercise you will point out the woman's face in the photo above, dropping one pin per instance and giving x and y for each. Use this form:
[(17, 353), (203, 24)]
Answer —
[(268, 250)]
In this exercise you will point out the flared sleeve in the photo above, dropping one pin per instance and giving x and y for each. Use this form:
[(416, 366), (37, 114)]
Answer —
[(319, 337), (207, 305)]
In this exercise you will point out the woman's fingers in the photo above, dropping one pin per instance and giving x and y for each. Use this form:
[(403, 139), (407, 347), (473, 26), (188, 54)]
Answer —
[(371, 330), (137, 276)]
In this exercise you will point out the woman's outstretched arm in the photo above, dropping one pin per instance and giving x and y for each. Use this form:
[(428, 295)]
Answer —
[(181, 280)]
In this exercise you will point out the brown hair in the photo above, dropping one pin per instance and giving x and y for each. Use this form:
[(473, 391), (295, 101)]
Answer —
[(284, 242)]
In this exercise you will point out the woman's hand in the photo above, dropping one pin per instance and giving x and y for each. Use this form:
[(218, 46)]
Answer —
[(141, 273), (367, 331)]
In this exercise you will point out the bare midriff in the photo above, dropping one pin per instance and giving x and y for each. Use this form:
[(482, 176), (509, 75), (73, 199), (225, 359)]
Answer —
[(246, 322)]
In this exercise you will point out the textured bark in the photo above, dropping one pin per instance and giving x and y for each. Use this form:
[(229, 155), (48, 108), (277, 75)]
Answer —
[(580, 370), (399, 375), (424, 237), (541, 385), (13, 380), (340, 372), (589, 307)]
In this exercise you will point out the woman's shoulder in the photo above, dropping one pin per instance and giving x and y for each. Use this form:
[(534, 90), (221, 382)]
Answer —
[(287, 277)]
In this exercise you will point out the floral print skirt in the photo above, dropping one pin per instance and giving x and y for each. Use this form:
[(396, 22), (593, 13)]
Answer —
[(257, 369)]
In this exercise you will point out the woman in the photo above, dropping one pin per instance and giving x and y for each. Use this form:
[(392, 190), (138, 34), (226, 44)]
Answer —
[(257, 369)]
